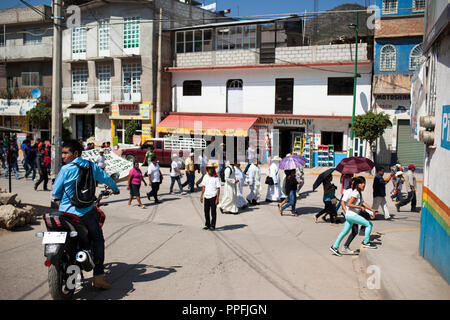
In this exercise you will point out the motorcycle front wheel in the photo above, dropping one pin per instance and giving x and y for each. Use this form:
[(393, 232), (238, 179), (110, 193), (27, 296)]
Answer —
[(57, 284)]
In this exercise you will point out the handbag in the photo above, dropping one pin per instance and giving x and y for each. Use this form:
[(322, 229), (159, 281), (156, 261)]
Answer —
[(269, 181)]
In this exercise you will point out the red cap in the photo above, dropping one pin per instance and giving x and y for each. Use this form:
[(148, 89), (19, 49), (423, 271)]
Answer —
[(411, 166)]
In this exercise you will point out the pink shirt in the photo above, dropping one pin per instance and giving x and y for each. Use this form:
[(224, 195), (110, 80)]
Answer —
[(136, 176)]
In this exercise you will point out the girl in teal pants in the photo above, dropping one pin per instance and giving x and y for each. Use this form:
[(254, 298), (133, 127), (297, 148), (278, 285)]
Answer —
[(354, 206)]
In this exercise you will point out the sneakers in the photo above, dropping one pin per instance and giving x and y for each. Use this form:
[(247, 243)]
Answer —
[(347, 250), (369, 245), (335, 251), (183, 193)]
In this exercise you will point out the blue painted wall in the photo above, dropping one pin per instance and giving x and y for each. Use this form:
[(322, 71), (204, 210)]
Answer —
[(403, 47), (404, 8)]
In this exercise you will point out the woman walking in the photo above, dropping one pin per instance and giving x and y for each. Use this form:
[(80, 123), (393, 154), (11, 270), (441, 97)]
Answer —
[(291, 190), (329, 199), (355, 205), (134, 184)]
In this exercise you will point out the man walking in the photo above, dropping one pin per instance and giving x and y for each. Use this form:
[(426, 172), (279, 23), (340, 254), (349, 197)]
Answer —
[(210, 194), (190, 173), (42, 169), (154, 179), (11, 160), (379, 192), (31, 162), (410, 181)]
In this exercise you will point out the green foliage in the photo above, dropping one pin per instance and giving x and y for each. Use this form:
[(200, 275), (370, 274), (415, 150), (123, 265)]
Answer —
[(371, 126), (40, 116), (130, 130)]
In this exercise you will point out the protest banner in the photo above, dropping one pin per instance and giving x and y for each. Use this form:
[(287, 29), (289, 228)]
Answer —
[(116, 166)]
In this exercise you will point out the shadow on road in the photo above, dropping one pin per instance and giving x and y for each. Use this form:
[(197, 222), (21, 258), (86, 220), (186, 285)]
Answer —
[(122, 277), (231, 227)]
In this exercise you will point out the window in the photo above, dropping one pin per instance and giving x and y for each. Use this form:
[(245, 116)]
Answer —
[(192, 88), (104, 78), (389, 6), (2, 40), (131, 32), (103, 35), (31, 79), (341, 86), (334, 138), (131, 76), (79, 40), (236, 84), (32, 36), (388, 57), (418, 5), (414, 57), (237, 37), (194, 41), (79, 80), (284, 93)]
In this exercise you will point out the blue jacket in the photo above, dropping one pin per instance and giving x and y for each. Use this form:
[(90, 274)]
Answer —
[(64, 186)]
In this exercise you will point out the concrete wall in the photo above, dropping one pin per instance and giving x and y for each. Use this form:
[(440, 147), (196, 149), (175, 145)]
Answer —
[(284, 55), (435, 226), (310, 90)]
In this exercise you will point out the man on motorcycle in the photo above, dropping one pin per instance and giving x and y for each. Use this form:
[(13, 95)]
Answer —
[(63, 191)]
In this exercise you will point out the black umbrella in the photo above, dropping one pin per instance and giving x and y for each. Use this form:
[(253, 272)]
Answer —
[(322, 177)]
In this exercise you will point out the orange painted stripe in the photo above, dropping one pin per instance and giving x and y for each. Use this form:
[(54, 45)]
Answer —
[(439, 203)]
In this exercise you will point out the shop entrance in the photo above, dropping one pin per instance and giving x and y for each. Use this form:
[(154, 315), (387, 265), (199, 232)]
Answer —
[(288, 138)]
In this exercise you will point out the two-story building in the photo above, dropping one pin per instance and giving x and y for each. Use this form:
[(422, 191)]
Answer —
[(398, 49), (25, 65), (110, 65), (230, 77)]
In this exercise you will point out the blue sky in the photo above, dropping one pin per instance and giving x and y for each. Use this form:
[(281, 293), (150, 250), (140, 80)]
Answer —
[(246, 7)]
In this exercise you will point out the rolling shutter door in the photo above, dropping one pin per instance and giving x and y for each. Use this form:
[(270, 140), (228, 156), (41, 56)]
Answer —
[(409, 150)]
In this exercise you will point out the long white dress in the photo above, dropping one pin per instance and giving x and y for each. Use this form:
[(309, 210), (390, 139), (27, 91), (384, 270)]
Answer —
[(240, 200), (254, 181), (274, 191), (228, 202)]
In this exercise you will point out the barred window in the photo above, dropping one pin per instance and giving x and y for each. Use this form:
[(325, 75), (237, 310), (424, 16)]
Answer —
[(104, 78), (389, 6), (32, 36), (79, 80), (418, 5), (388, 58), (31, 79), (237, 37), (194, 41), (414, 57), (103, 35), (131, 76), (79, 39), (131, 32)]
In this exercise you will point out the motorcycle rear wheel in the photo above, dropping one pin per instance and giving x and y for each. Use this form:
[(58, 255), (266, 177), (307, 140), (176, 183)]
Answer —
[(56, 284)]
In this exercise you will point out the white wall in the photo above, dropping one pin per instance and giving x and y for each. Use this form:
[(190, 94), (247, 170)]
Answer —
[(310, 90)]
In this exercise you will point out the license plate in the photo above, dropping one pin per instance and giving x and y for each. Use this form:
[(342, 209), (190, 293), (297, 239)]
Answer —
[(54, 237)]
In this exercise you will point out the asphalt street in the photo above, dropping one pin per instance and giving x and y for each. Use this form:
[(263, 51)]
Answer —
[(161, 252)]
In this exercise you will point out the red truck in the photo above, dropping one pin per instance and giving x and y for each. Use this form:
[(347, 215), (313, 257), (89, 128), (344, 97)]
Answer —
[(163, 149)]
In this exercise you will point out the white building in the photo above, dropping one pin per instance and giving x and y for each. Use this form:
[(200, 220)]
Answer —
[(241, 70)]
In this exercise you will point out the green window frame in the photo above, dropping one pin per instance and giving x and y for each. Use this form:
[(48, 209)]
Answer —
[(131, 32)]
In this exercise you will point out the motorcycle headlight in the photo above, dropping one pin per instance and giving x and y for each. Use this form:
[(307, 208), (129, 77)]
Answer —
[(50, 249)]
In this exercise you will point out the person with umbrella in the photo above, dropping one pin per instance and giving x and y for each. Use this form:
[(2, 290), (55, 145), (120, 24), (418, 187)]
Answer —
[(291, 190), (355, 205), (291, 162), (329, 199)]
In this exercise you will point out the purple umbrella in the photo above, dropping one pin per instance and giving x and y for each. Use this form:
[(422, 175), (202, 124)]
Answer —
[(292, 162)]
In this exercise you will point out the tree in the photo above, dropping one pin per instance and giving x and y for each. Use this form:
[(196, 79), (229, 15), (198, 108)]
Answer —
[(371, 126), (40, 116), (130, 130)]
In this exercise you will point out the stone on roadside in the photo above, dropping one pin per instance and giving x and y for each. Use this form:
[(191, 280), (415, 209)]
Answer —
[(12, 217), (8, 198)]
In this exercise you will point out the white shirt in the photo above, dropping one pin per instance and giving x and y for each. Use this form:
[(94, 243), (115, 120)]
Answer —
[(251, 154), (358, 200), (101, 161), (202, 160), (211, 185), (154, 173), (175, 165)]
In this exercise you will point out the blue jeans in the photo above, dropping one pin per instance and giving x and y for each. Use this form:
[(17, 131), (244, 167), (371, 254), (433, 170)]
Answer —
[(31, 167), (14, 167), (349, 222), (292, 201), (190, 180), (96, 234), (177, 179)]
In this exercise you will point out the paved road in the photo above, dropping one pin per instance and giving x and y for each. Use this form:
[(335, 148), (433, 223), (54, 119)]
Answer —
[(163, 253)]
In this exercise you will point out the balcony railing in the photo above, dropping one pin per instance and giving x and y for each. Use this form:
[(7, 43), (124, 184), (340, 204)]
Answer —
[(25, 93), (102, 94)]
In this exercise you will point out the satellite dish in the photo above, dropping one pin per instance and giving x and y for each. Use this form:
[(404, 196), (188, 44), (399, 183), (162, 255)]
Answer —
[(36, 93)]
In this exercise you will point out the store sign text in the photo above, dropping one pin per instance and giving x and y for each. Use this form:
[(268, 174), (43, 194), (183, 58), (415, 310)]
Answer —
[(445, 132), (284, 121)]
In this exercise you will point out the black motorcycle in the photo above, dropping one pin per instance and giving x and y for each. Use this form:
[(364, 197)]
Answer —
[(68, 249)]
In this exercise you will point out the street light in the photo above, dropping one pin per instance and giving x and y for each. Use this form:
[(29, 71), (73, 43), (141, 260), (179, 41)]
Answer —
[(352, 133)]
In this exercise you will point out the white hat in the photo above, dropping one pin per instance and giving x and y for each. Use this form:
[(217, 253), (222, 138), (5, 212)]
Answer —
[(399, 173), (211, 164), (276, 158), (174, 156)]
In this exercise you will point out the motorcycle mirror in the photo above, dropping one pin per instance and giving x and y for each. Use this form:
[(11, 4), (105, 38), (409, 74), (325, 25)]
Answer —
[(39, 234)]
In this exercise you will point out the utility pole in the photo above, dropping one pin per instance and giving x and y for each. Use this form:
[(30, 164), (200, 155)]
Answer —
[(159, 76), (56, 87), (355, 79)]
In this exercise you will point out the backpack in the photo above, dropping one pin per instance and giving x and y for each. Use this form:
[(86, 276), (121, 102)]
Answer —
[(85, 185), (222, 173)]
